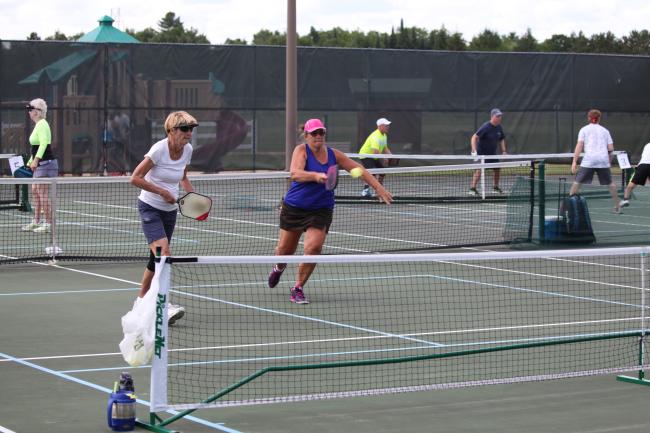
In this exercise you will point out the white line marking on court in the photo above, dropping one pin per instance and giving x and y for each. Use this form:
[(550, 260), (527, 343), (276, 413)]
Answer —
[(307, 318), (67, 292), (216, 426), (5, 430)]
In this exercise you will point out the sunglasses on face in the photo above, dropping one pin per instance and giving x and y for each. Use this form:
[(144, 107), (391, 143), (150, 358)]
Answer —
[(186, 128), (317, 132), (31, 108)]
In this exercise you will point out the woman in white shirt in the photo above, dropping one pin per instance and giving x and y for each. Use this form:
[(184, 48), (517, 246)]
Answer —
[(159, 174)]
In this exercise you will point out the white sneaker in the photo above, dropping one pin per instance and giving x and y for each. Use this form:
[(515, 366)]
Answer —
[(366, 192), (30, 227), (174, 313), (50, 251), (43, 228), (624, 203)]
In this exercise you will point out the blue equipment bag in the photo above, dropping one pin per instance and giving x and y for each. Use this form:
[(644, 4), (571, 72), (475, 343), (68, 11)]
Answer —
[(578, 223), (23, 172)]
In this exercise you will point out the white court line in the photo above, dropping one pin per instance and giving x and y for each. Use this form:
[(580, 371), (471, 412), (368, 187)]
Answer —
[(216, 426), (5, 430)]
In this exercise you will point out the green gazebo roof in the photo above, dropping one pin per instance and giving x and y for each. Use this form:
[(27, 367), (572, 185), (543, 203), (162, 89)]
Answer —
[(107, 33), (62, 68)]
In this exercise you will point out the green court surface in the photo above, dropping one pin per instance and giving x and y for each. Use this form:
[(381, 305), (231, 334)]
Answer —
[(59, 359)]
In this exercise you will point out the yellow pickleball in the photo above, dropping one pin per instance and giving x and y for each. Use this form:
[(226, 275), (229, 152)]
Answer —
[(356, 172)]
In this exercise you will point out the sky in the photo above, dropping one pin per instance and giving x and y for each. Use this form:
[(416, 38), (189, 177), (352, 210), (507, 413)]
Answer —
[(219, 20)]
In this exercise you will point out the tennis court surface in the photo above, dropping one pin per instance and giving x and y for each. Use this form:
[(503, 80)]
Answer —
[(61, 329)]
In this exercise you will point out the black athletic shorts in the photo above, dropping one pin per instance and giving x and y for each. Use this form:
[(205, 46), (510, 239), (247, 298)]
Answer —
[(372, 163), (295, 219), (641, 174)]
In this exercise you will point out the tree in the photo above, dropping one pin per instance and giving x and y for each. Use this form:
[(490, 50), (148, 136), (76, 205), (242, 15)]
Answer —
[(146, 35), (579, 43), (488, 40), (526, 43), (33, 36), (58, 36), (604, 43), (456, 42), (557, 44), (170, 30), (636, 42), (439, 39), (266, 37), (236, 41)]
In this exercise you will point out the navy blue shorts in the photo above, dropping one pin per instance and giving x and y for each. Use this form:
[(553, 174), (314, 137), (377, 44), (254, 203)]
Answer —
[(156, 224), (487, 151)]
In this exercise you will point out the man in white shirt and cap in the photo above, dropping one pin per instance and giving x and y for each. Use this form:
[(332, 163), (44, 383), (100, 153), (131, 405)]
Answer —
[(597, 144), (376, 143)]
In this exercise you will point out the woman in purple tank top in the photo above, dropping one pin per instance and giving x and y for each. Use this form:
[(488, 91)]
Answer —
[(308, 206)]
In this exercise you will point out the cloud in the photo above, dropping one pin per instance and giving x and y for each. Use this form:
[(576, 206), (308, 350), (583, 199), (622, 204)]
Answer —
[(222, 19)]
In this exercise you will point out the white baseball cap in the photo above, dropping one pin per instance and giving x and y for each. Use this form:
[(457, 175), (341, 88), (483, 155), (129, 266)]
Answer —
[(383, 121)]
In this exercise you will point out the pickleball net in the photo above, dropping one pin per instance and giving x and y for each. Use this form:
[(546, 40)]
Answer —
[(381, 324), (97, 218)]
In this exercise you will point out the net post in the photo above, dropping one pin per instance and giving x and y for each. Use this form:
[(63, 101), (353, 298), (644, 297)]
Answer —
[(532, 200), (24, 198), (640, 379), (53, 194), (482, 178), (158, 386), (542, 199)]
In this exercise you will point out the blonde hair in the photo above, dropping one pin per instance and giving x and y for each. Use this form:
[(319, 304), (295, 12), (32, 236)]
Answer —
[(179, 118), (41, 105)]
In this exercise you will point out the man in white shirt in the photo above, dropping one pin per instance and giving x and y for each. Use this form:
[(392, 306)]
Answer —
[(641, 174), (597, 144)]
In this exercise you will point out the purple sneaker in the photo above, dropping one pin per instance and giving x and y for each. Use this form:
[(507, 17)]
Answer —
[(274, 276), (297, 296)]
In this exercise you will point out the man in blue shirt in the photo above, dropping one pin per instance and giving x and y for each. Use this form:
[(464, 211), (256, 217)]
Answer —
[(487, 141)]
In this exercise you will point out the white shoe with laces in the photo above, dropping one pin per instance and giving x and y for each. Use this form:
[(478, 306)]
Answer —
[(43, 228), (30, 227), (174, 313)]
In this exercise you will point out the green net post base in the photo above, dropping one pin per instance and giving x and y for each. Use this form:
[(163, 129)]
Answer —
[(24, 199), (639, 380), (153, 424)]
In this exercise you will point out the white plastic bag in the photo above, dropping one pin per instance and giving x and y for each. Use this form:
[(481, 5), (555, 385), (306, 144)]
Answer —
[(138, 325)]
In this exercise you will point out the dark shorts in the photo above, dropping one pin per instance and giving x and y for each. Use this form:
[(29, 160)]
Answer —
[(48, 168), (586, 175), (641, 174), (372, 163), (156, 224), (483, 151), (295, 219)]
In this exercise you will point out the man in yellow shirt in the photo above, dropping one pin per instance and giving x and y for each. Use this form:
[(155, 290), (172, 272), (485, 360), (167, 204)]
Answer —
[(377, 143)]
